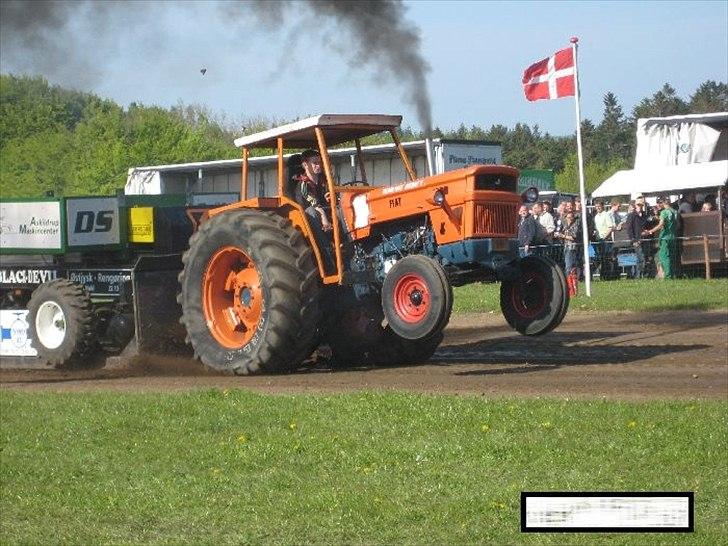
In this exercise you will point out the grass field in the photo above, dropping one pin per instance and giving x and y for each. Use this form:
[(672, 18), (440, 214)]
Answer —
[(216, 467), (622, 295)]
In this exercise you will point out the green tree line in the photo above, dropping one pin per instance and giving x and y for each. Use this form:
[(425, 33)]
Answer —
[(75, 143)]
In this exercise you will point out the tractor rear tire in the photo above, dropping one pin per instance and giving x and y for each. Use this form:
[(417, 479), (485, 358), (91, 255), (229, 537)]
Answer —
[(60, 323), (250, 293), (536, 302), (417, 297)]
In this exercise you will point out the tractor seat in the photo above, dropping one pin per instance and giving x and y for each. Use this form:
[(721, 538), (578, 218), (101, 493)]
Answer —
[(293, 168)]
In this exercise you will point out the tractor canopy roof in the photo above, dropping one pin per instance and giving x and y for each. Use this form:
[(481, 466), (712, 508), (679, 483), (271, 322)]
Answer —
[(337, 128)]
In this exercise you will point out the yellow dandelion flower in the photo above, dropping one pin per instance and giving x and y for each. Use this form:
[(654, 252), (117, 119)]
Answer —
[(485, 427), (242, 438), (632, 424), (546, 424), (292, 425)]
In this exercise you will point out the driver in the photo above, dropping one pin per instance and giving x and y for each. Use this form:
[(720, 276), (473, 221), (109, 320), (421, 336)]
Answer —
[(311, 195), (311, 190)]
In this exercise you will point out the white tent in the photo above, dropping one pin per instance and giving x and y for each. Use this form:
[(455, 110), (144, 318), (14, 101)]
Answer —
[(665, 179)]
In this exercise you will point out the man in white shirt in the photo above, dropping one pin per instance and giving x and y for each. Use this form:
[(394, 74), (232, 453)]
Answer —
[(607, 222), (546, 221)]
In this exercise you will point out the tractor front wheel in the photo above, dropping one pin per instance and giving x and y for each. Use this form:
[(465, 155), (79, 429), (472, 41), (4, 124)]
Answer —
[(416, 297), (535, 303)]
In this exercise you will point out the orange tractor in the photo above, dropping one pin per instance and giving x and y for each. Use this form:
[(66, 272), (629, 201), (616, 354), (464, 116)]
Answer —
[(259, 295)]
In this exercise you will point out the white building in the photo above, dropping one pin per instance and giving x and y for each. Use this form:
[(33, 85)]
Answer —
[(212, 182)]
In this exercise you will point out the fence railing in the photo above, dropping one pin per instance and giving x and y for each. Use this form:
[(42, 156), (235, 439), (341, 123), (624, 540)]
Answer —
[(616, 259)]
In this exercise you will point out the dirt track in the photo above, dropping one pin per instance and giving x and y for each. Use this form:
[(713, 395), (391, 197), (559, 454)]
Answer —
[(615, 355)]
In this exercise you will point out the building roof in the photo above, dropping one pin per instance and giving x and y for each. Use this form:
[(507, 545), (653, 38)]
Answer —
[(667, 179), (224, 164), (337, 127), (714, 118)]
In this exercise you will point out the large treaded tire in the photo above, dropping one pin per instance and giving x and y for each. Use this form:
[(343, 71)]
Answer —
[(536, 302), (60, 312), (289, 283)]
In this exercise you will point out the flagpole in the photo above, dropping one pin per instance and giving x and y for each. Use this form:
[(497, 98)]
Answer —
[(582, 190)]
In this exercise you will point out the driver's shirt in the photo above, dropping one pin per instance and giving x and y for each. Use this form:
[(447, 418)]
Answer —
[(312, 194)]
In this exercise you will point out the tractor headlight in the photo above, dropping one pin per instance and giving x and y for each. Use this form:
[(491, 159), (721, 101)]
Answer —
[(530, 195), (439, 198)]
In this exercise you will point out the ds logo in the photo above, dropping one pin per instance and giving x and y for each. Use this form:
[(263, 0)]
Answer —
[(88, 221)]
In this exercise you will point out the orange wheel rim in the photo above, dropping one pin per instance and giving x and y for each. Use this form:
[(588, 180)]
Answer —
[(232, 298)]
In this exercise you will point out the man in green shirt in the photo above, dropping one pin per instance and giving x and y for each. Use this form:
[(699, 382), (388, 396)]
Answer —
[(667, 227)]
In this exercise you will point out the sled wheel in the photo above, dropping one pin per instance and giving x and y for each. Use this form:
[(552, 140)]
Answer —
[(533, 304), (60, 321), (250, 293), (416, 297)]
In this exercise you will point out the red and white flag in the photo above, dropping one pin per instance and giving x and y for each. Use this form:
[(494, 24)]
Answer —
[(550, 78)]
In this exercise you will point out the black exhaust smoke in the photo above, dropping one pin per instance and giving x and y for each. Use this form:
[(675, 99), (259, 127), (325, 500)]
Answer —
[(372, 33)]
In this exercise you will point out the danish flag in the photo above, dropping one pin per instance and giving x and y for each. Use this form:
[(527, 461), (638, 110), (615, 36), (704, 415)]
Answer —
[(550, 78)]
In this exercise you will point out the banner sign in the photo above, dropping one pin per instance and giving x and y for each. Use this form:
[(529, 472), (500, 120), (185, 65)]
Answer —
[(141, 225), (543, 179), (30, 225), (14, 340), (100, 282), (92, 221), (451, 156), (19, 277)]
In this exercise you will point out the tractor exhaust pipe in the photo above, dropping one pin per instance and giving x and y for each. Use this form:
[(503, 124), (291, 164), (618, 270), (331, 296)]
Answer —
[(430, 164)]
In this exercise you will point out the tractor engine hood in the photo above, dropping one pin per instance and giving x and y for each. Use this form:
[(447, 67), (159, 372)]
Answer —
[(479, 201)]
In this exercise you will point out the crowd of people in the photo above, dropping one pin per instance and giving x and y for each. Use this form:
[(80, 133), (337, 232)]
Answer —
[(651, 232)]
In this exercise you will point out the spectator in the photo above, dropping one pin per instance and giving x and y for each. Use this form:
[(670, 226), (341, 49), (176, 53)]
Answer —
[(687, 204), (707, 207), (667, 228), (634, 226), (607, 222), (527, 228), (546, 223), (570, 236), (548, 207), (559, 216)]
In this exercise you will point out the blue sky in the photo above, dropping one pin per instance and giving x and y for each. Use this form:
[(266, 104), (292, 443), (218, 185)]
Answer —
[(477, 52)]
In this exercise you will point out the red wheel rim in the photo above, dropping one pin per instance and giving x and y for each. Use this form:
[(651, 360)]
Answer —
[(232, 298), (528, 295), (412, 300)]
